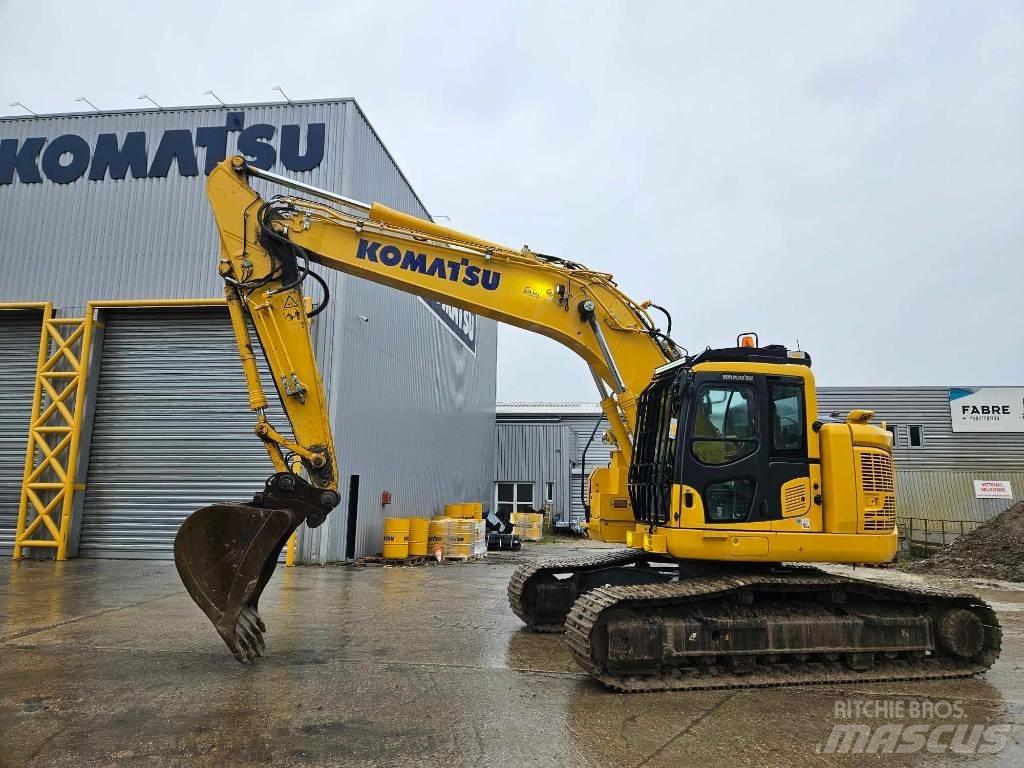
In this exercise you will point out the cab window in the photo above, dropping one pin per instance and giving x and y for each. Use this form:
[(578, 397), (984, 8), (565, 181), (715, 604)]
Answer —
[(786, 408), (728, 501), (725, 424)]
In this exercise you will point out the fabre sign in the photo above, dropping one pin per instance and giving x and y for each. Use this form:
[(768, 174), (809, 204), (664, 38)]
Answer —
[(987, 409), (69, 157)]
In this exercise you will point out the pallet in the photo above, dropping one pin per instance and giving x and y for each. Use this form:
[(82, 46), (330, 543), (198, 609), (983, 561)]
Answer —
[(463, 558), (378, 560)]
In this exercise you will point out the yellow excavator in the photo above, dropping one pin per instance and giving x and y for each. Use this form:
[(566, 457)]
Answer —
[(724, 480)]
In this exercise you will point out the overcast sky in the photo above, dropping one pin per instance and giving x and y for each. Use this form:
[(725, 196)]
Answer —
[(847, 174)]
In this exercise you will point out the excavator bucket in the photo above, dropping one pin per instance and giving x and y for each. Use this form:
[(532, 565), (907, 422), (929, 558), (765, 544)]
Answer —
[(226, 553)]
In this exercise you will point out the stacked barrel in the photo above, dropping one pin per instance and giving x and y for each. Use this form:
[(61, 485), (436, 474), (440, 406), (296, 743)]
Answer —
[(460, 534), (470, 510)]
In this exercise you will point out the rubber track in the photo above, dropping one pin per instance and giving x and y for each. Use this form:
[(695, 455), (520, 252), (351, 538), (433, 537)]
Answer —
[(590, 606), (520, 580)]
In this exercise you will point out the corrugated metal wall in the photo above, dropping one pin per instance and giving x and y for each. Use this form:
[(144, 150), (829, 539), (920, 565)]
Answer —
[(949, 495), (412, 411), (19, 340), (538, 454), (598, 455), (929, 407), (935, 480), (550, 451)]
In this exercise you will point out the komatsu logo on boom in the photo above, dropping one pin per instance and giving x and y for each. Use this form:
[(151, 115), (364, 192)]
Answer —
[(442, 269), (69, 157)]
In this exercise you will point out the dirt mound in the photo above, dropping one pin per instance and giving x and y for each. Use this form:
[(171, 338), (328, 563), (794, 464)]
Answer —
[(994, 550)]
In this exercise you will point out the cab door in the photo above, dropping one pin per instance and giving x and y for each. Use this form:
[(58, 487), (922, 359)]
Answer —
[(746, 448), (789, 491), (725, 459)]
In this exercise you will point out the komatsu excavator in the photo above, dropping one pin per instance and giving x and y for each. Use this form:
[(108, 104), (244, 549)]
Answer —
[(724, 479)]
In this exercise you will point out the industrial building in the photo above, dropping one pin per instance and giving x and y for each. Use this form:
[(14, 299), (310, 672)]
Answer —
[(539, 456), (958, 451), (120, 364)]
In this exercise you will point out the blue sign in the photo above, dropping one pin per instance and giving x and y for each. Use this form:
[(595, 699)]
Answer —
[(69, 157)]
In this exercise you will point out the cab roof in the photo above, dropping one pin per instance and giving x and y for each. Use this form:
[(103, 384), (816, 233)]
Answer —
[(773, 353)]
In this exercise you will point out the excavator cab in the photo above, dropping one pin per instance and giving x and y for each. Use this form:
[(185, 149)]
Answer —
[(728, 430)]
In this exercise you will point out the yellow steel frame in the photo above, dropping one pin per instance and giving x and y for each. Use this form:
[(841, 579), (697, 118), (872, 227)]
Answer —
[(48, 484), (45, 308)]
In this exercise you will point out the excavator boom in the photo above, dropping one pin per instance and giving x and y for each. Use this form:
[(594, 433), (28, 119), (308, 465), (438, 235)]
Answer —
[(226, 553)]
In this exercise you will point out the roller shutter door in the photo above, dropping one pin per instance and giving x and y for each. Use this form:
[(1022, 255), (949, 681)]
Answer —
[(19, 340), (172, 430)]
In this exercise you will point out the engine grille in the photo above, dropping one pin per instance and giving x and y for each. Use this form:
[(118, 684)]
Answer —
[(881, 520), (794, 499), (876, 472)]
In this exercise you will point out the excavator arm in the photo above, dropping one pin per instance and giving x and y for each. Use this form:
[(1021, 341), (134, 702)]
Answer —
[(226, 553)]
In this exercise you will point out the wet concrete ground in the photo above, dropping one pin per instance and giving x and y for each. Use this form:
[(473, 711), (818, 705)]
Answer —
[(109, 663)]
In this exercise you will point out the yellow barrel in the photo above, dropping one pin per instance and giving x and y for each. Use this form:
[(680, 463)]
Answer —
[(453, 510), (437, 535), (419, 528), (396, 538)]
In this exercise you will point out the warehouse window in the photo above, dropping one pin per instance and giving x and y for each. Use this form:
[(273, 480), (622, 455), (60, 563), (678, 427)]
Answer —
[(515, 497), (549, 496), (894, 430), (916, 435)]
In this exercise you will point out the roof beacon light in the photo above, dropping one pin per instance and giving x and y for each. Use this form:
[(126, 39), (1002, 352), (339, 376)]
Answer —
[(747, 340)]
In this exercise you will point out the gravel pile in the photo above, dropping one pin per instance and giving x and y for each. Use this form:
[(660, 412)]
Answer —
[(994, 550)]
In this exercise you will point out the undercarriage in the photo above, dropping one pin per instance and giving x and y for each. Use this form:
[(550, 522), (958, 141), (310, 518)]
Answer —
[(642, 624)]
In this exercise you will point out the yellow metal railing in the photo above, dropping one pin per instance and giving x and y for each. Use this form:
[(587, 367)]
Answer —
[(48, 485)]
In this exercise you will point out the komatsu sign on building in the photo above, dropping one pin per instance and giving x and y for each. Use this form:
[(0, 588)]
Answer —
[(121, 381)]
